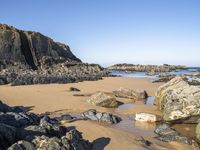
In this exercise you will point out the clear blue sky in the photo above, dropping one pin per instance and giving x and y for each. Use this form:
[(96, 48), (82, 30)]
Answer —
[(115, 31)]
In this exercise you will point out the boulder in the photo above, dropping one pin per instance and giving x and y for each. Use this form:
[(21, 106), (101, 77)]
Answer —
[(130, 93), (167, 134), (103, 99), (101, 116), (92, 114), (147, 117), (178, 100)]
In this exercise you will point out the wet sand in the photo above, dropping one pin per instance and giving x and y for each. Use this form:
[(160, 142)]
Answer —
[(57, 99)]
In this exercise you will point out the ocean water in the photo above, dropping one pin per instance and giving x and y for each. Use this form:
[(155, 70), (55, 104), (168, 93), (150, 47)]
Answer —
[(191, 70)]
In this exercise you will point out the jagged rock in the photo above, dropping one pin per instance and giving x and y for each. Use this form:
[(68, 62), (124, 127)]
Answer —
[(130, 93), (147, 117), (73, 89), (167, 134), (198, 131), (8, 135), (72, 140), (178, 100), (28, 57), (103, 99), (101, 116), (22, 145), (18, 119)]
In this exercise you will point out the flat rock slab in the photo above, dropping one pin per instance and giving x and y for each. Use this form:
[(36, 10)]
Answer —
[(147, 117)]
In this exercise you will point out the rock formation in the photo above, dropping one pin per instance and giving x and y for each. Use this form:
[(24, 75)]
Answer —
[(151, 69), (103, 99), (19, 130), (130, 93), (178, 100), (28, 57)]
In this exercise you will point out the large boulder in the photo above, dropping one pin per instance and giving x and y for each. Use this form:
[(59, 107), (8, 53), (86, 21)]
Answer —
[(130, 93), (178, 100), (103, 99)]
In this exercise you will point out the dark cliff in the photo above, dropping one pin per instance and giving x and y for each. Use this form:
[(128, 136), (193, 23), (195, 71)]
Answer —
[(31, 47), (28, 57)]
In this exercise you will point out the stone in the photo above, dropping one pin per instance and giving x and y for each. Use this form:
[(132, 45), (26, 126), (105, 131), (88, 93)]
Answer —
[(130, 93), (22, 145), (103, 99), (147, 117), (92, 114), (178, 100), (73, 89), (167, 134)]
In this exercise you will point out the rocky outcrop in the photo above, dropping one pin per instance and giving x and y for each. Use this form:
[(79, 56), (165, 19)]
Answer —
[(103, 99), (20, 130), (28, 57), (130, 93), (92, 114), (178, 100), (151, 69)]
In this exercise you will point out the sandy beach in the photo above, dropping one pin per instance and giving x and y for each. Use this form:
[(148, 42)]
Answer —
[(57, 99)]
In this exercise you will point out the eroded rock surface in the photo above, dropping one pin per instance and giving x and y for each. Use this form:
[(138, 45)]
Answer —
[(178, 100), (103, 99)]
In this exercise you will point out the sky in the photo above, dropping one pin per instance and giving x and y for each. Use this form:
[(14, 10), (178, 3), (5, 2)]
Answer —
[(114, 31)]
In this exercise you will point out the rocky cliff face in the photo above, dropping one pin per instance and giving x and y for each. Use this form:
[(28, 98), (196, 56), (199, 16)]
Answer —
[(31, 48), (28, 57)]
